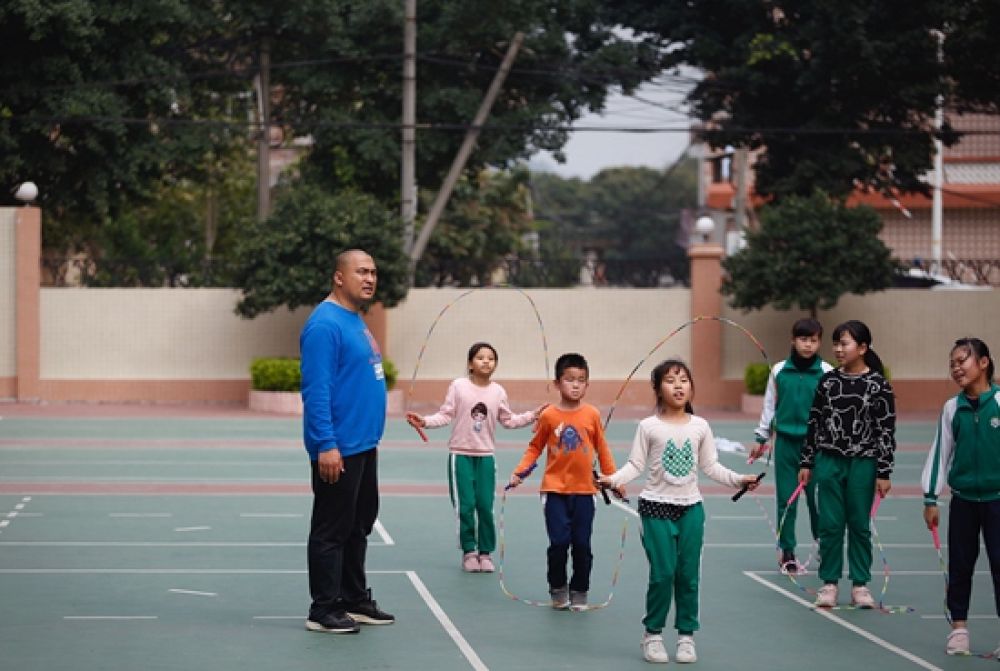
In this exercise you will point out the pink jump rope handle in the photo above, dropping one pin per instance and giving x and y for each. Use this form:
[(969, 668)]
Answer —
[(875, 504), (752, 459), (937, 538), (795, 494)]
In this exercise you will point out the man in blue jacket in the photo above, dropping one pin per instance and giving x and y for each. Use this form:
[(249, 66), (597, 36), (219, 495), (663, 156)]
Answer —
[(344, 403)]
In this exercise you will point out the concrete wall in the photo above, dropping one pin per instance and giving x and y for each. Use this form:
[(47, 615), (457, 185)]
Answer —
[(8, 286)]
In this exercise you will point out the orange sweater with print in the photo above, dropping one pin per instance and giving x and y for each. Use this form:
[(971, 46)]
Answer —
[(570, 438)]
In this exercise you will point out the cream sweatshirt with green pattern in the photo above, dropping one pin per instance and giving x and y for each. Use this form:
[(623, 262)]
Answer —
[(674, 453)]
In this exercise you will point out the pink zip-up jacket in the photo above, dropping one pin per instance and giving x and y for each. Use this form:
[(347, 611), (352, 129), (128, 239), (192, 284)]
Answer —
[(475, 412)]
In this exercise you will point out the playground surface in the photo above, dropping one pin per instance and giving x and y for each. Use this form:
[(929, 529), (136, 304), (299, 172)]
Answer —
[(173, 537)]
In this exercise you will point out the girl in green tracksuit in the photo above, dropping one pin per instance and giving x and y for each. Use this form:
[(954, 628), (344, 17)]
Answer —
[(849, 452), (966, 452), (790, 390)]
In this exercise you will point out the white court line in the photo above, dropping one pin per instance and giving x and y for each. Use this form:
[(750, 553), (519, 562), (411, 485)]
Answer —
[(736, 517), (193, 529), (446, 622), (4, 523), (386, 538), (278, 617), (151, 571), (968, 617), (192, 592), (19, 506), (110, 617), (142, 515), (270, 515), (894, 573), (162, 544), (919, 661), (14, 513)]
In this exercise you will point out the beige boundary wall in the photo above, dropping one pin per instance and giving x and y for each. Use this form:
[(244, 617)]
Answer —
[(189, 345)]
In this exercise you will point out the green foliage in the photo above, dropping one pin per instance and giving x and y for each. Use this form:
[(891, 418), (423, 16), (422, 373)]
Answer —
[(810, 82), (485, 221), (391, 373), (283, 374), (288, 259), (270, 374), (807, 253), (755, 378), (630, 216)]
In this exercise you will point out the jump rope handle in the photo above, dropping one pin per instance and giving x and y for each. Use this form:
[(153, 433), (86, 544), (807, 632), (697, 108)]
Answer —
[(937, 538), (745, 488), (420, 432), (523, 474), (604, 490), (875, 504), (765, 447)]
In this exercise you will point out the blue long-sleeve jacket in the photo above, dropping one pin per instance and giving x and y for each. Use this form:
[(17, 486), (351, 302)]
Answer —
[(343, 384)]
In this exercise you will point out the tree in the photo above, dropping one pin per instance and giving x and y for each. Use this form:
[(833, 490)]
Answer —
[(288, 259), (629, 216), (838, 93), (569, 61), (808, 252), (485, 222), (971, 55)]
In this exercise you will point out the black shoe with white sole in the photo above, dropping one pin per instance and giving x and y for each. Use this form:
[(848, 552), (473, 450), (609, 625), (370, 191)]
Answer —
[(333, 623), (367, 611)]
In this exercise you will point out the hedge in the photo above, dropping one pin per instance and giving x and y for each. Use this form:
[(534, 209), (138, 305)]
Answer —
[(282, 374)]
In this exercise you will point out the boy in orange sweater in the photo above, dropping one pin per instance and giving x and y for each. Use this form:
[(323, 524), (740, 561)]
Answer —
[(572, 435)]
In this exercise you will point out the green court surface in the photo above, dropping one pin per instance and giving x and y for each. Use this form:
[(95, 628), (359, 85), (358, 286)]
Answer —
[(179, 543)]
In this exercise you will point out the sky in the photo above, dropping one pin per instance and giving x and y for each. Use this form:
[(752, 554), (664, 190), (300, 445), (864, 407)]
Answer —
[(657, 104)]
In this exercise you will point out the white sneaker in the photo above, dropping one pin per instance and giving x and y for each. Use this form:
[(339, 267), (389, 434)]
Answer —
[(685, 650), (957, 642), (861, 597), (826, 597), (653, 650)]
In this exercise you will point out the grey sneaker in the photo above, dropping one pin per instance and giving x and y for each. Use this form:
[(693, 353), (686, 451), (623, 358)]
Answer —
[(560, 598), (653, 650), (685, 650), (957, 642), (826, 597), (577, 600)]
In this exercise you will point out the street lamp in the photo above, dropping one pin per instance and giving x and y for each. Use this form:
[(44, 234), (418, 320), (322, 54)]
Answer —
[(704, 226), (26, 192)]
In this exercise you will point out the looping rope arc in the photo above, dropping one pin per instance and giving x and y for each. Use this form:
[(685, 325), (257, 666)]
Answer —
[(449, 305)]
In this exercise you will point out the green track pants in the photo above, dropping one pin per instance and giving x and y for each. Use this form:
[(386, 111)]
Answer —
[(845, 489), (674, 553)]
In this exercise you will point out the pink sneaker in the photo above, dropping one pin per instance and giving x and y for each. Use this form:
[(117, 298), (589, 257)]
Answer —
[(470, 562), (486, 564)]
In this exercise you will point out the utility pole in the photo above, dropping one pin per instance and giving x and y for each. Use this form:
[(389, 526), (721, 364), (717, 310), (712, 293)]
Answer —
[(408, 186), (937, 202), (264, 135), (741, 161), (458, 164)]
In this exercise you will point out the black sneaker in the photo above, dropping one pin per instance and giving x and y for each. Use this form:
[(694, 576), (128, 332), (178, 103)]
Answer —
[(333, 623), (366, 611)]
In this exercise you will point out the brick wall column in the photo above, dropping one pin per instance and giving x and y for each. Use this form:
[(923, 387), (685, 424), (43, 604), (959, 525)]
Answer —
[(28, 243), (706, 341)]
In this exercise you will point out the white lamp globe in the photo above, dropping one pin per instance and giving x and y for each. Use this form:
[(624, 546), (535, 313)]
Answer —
[(704, 227), (27, 192)]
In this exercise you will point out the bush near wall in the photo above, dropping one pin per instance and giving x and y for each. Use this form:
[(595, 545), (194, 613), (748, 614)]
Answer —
[(275, 374), (755, 378), (282, 374)]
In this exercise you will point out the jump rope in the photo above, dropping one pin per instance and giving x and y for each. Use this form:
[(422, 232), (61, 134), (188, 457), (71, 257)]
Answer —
[(621, 554)]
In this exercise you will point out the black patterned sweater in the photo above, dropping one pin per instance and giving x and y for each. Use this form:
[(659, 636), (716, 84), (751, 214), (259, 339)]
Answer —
[(853, 416)]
